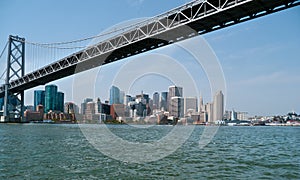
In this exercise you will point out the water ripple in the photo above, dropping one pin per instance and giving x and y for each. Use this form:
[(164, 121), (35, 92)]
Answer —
[(62, 152)]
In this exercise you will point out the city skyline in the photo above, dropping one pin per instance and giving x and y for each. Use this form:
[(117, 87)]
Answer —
[(259, 58), (172, 107)]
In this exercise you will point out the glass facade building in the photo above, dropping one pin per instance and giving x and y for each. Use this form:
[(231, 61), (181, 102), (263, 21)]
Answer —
[(114, 95), (60, 102), (39, 98), (1, 103), (156, 104), (50, 98), (164, 101)]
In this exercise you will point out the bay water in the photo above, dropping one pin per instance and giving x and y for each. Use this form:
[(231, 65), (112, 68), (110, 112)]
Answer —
[(61, 151)]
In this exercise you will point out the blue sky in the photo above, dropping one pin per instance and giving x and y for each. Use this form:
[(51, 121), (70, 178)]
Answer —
[(260, 58)]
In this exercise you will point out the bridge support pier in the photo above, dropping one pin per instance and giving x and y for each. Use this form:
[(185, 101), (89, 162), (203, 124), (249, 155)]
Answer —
[(13, 110)]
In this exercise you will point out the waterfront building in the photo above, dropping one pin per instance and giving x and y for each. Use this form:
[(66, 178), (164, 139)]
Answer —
[(39, 98), (30, 108), (50, 98), (34, 115), (233, 115), (114, 95), (176, 107), (164, 101), (71, 108), (117, 110), (242, 115), (190, 105), (218, 106), (227, 115)]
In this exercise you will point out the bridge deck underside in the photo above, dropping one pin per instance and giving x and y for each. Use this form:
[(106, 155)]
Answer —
[(218, 20)]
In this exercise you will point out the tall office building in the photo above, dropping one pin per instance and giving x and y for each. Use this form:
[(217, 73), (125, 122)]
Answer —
[(218, 106), (174, 91), (39, 98), (164, 101), (190, 104), (201, 107), (117, 110), (60, 102), (209, 112), (156, 100), (114, 95), (50, 98), (122, 97), (176, 106)]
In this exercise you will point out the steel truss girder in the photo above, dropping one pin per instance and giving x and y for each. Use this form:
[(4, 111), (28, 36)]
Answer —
[(14, 101), (192, 14)]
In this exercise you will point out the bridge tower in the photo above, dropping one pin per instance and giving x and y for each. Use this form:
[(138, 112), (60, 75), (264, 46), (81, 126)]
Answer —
[(13, 110)]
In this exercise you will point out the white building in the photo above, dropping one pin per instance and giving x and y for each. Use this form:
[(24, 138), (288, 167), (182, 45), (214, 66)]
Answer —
[(218, 106)]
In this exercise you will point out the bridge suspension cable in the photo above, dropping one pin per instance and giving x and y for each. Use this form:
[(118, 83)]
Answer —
[(41, 54), (4, 49), (3, 62), (103, 34)]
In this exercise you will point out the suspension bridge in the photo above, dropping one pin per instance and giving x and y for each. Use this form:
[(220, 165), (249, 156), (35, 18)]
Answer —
[(189, 20)]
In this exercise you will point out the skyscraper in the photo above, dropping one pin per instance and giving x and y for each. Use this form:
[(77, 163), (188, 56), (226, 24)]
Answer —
[(50, 98), (122, 96), (156, 100), (39, 98), (190, 104), (218, 106), (201, 107), (60, 102), (176, 106), (164, 101), (174, 91), (209, 112), (114, 95)]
